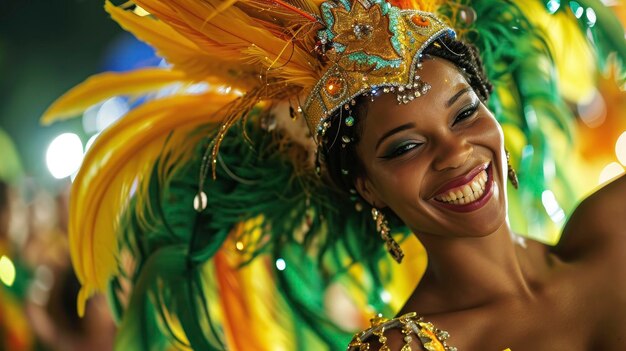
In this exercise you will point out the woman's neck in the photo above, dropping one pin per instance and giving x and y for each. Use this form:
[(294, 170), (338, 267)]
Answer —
[(476, 271)]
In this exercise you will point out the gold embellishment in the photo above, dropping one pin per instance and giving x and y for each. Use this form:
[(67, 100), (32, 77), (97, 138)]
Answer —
[(420, 21), (411, 326), (382, 227), (429, 338), (382, 339), (365, 30), (369, 45), (378, 320), (334, 86), (406, 331)]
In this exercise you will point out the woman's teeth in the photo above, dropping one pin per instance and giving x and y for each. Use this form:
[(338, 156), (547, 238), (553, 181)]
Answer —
[(467, 193)]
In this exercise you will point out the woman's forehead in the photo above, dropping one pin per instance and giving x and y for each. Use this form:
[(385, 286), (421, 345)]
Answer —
[(446, 81)]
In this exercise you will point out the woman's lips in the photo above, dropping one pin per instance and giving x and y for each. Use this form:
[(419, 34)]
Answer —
[(469, 192)]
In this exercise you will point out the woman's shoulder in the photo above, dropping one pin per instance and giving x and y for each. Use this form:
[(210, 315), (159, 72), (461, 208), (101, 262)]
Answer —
[(598, 225), (407, 332)]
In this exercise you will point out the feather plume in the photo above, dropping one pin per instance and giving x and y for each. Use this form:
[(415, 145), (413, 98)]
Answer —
[(155, 153), (99, 87), (232, 31), (183, 54), (299, 8), (121, 156)]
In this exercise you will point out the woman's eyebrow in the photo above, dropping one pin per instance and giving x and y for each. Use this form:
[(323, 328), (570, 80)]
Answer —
[(394, 131), (456, 96)]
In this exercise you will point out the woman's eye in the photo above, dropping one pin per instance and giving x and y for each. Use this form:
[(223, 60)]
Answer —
[(466, 113), (401, 150)]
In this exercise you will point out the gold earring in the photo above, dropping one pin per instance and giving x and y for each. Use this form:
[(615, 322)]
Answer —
[(512, 175), (382, 227)]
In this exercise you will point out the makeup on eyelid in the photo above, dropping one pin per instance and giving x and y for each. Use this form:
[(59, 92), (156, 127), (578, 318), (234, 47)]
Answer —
[(396, 149)]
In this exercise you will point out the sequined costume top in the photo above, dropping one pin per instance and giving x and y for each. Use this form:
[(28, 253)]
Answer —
[(412, 327)]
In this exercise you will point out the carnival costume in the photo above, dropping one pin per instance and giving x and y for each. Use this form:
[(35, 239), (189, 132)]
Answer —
[(209, 217)]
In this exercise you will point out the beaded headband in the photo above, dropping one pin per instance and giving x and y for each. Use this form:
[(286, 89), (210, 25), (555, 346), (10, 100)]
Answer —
[(371, 45)]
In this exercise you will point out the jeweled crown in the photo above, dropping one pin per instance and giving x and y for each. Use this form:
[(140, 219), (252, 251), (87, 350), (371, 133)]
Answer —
[(370, 45)]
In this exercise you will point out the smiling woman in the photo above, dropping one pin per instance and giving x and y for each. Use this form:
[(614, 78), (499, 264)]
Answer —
[(446, 143), (260, 239), (438, 163)]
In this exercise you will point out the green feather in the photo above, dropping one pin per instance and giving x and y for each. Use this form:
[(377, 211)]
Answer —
[(315, 229)]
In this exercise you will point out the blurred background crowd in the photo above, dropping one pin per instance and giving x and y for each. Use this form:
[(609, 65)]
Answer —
[(46, 47)]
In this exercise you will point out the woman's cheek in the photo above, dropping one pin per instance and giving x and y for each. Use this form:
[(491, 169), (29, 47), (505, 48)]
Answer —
[(490, 127), (402, 181)]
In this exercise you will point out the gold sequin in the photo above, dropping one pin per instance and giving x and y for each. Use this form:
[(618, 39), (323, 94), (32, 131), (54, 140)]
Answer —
[(410, 324)]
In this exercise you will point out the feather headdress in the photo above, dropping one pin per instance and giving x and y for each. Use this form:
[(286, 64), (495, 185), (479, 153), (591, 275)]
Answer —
[(147, 215)]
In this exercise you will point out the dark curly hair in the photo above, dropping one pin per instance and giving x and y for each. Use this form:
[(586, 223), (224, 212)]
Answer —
[(340, 158)]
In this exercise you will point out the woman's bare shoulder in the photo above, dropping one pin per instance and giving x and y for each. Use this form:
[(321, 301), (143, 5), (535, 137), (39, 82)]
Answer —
[(598, 225)]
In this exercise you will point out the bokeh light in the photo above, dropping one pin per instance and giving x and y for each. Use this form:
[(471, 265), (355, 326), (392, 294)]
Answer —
[(100, 116), (385, 296), (576, 9), (553, 5), (90, 142), (591, 16), (593, 113), (7, 271), (110, 111), (552, 207), (610, 171), (64, 155)]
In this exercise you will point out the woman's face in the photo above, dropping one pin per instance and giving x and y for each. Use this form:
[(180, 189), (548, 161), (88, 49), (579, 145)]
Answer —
[(437, 162)]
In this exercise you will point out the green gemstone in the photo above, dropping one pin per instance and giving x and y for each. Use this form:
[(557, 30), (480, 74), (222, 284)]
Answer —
[(349, 121)]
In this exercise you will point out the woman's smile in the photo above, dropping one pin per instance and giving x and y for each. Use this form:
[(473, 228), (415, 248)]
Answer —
[(468, 192)]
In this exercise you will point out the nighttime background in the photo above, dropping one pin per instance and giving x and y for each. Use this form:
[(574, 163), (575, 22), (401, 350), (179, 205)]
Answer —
[(49, 46), (46, 47)]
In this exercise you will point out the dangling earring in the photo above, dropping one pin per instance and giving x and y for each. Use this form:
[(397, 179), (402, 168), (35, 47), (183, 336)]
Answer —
[(512, 175), (382, 227)]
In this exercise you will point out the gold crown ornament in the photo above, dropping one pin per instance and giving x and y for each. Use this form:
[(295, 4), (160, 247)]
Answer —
[(370, 45)]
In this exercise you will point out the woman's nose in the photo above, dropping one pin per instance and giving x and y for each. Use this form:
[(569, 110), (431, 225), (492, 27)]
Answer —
[(452, 152)]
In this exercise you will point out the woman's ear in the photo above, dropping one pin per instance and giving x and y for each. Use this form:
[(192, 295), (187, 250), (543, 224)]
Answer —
[(367, 191)]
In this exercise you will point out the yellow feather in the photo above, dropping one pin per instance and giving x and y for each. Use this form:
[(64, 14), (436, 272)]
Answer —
[(102, 86), (286, 73), (184, 54), (231, 32), (121, 156)]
